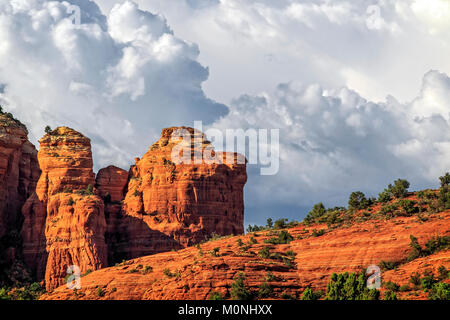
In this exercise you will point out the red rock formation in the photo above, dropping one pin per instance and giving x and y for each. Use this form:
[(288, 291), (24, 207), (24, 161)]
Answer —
[(170, 206), (112, 180), (64, 222), (162, 206), (19, 171), (111, 185)]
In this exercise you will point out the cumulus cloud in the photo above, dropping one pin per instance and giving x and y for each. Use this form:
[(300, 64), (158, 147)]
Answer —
[(373, 46), (334, 141), (118, 79)]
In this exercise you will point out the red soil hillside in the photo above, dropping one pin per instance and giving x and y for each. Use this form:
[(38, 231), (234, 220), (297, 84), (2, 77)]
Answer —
[(194, 273)]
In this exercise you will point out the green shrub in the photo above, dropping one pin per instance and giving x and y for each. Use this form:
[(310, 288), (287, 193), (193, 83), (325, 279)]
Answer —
[(264, 253), (265, 290), (428, 280), (136, 193), (358, 201), (100, 292), (168, 273), (280, 223), (284, 237), (408, 207), (90, 189), (147, 269), (415, 279), (269, 223), (400, 188), (416, 249), (444, 199), (384, 196), (214, 295), (309, 294), (215, 252), (437, 244), (291, 253), (392, 286), (238, 289), (390, 295), (287, 296), (445, 180), (439, 291), (253, 240), (404, 288), (317, 211), (350, 286), (443, 273), (389, 209), (388, 265), (318, 233)]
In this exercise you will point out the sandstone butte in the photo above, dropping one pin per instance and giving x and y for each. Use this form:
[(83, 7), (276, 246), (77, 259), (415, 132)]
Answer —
[(196, 272), (77, 218)]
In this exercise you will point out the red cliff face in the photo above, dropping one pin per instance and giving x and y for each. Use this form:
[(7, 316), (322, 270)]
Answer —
[(170, 206), (111, 183), (64, 221), (19, 171)]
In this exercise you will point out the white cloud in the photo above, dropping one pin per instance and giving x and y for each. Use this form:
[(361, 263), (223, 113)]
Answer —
[(373, 46), (118, 80), (333, 142)]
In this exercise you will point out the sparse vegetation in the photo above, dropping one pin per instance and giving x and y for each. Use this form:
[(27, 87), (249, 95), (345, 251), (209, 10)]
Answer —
[(215, 252), (265, 290), (214, 295), (264, 253), (284, 237), (318, 233), (390, 295), (238, 289), (358, 201), (388, 265), (147, 269), (392, 286), (350, 286), (309, 294), (100, 292)]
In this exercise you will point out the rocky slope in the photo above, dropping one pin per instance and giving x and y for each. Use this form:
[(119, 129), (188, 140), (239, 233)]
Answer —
[(195, 272)]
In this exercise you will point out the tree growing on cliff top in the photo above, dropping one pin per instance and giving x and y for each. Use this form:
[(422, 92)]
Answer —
[(445, 180), (358, 201), (48, 129), (317, 211)]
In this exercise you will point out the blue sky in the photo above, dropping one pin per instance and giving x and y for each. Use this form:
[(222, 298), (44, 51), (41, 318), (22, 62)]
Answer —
[(359, 90)]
